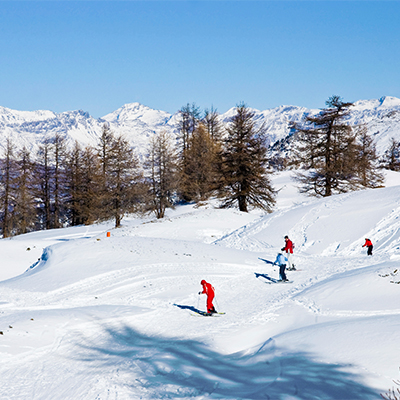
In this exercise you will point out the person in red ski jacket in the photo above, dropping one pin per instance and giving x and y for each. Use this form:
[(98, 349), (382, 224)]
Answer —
[(288, 249), (369, 245), (210, 292)]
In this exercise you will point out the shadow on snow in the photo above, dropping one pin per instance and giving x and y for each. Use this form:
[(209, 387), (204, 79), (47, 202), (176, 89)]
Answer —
[(173, 368), (191, 308), (268, 279), (266, 261)]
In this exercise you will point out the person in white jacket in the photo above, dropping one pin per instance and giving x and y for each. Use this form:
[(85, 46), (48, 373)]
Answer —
[(281, 262)]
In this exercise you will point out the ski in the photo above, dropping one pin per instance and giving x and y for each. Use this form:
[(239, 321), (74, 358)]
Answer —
[(265, 276), (204, 314), (271, 280)]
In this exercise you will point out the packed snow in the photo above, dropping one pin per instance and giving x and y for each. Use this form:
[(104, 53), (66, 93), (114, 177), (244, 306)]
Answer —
[(87, 316)]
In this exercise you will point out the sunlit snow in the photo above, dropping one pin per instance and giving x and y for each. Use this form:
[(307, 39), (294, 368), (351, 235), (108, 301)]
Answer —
[(86, 316)]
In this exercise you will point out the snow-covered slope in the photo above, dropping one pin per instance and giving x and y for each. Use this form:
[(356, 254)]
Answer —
[(333, 226), (137, 123), (382, 118), (100, 317)]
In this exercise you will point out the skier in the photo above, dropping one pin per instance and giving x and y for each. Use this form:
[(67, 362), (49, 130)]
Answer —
[(210, 292), (368, 244), (281, 262), (288, 249)]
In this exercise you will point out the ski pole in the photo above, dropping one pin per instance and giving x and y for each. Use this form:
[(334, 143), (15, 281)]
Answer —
[(216, 301)]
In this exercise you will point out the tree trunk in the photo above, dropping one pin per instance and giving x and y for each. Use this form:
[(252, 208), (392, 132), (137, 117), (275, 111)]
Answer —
[(242, 203)]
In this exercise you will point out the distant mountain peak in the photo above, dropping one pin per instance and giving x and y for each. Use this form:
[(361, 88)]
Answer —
[(136, 111), (389, 101), (384, 102)]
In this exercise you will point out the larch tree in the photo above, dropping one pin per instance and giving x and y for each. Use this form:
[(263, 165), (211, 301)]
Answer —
[(245, 176), (90, 186), (122, 180), (83, 183), (74, 185), (59, 154), (391, 158), (211, 121), (44, 183), (188, 122), (199, 175), (161, 173), (367, 160), (8, 173), (24, 196), (327, 151), (104, 152), (189, 118)]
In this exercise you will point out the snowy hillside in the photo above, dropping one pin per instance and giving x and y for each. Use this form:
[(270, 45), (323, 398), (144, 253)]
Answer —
[(137, 123), (382, 118), (100, 317)]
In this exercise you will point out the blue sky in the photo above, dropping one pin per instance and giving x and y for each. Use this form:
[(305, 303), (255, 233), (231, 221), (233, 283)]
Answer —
[(97, 56)]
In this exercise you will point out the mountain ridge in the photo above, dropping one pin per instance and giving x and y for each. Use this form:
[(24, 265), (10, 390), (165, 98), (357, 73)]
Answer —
[(138, 122)]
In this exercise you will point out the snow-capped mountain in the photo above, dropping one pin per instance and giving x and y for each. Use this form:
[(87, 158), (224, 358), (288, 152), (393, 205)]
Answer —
[(382, 118), (30, 128), (137, 123)]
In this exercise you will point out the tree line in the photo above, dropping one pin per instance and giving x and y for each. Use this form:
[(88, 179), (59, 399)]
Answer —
[(59, 186)]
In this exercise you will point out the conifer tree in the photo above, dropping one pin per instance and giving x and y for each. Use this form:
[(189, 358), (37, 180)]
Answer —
[(105, 146), (391, 158), (198, 158), (189, 118), (213, 124), (327, 151), (7, 188), (83, 183), (74, 185), (122, 180), (24, 197), (59, 154), (44, 183), (244, 161), (161, 168), (199, 174), (90, 186), (104, 151), (366, 161)]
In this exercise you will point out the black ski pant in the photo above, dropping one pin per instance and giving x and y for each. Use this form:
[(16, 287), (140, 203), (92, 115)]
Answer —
[(369, 252), (282, 274)]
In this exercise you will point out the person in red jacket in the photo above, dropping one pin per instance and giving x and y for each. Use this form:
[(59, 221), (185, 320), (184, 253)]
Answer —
[(210, 292), (368, 244), (288, 249)]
